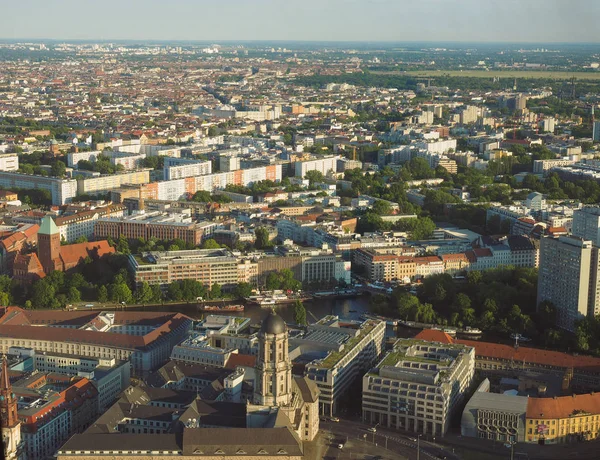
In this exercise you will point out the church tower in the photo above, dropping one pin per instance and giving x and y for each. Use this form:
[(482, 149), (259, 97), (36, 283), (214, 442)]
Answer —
[(48, 244), (9, 420), (273, 368)]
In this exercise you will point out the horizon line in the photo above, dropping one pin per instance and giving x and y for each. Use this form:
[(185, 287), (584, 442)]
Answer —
[(275, 40)]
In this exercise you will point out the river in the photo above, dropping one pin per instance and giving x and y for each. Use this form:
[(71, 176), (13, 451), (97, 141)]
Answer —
[(315, 310)]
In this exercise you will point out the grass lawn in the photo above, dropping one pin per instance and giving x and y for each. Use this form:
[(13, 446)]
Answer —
[(555, 75)]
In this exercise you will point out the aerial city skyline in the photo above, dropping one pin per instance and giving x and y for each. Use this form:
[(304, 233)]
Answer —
[(536, 21), (327, 230)]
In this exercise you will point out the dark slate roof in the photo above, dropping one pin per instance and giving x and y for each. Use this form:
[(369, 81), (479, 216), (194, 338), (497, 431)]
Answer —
[(258, 442), (122, 442), (273, 324), (308, 389)]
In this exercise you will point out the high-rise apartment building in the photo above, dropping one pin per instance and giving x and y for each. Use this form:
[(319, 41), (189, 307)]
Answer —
[(586, 224), (596, 131), (568, 277)]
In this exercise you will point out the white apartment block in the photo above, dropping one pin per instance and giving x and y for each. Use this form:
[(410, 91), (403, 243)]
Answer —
[(418, 386), (106, 183), (175, 168), (568, 277), (9, 162), (586, 224), (73, 158), (437, 146), (323, 165), (63, 190), (152, 150)]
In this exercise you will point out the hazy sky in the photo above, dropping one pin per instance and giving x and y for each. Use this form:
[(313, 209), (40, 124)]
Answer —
[(336, 20)]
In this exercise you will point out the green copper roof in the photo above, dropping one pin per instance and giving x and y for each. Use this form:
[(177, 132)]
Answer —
[(48, 227)]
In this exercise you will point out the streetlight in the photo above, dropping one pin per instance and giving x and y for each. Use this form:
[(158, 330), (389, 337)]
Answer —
[(419, 447), (512, 448)]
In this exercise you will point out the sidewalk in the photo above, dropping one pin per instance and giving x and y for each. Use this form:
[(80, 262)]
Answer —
[(584, 450)]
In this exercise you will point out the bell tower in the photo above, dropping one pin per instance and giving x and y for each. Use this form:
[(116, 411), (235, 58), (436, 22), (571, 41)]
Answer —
[(9, 420), (274, 369), (48, 244)]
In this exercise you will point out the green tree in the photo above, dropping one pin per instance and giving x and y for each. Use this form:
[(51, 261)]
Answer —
[(262, 238), (299, 313), (43, 293), (210, 244), (81, 239), (58, 169), (102, 294), (120, 292), (382, 208), (157, 294), (216, 291), (4, 299), (74, 295), (175, 292), (202, 197), (243, 290), (123, 245), (314, 177), (272, 281), (143, 293)]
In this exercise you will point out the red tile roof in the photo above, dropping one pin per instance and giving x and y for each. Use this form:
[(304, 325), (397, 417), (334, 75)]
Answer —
[(74, 254), (239, 359), (521, 354), (434, 335), (459, 256), (483, 252), (563, 406), (532, 355), (19, 323)]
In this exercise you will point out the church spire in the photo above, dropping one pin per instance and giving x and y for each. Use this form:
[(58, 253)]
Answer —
[(4, 380)]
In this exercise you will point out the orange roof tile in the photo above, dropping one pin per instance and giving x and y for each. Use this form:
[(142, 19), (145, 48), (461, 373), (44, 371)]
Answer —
[(239, 359), (434, 335), (563, 406)]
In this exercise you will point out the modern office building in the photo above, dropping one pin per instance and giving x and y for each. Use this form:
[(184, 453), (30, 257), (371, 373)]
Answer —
[(208, 266), (63, 190), (144, 338), (348, 350), (418, 386), (568, 277)]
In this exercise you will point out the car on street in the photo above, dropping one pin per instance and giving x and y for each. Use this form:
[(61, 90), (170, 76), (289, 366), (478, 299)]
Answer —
[(334, 419), (372, 429), (340, 446), (413, 439)]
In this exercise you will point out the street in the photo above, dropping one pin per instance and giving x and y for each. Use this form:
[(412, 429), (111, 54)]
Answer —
[(355, 437)]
